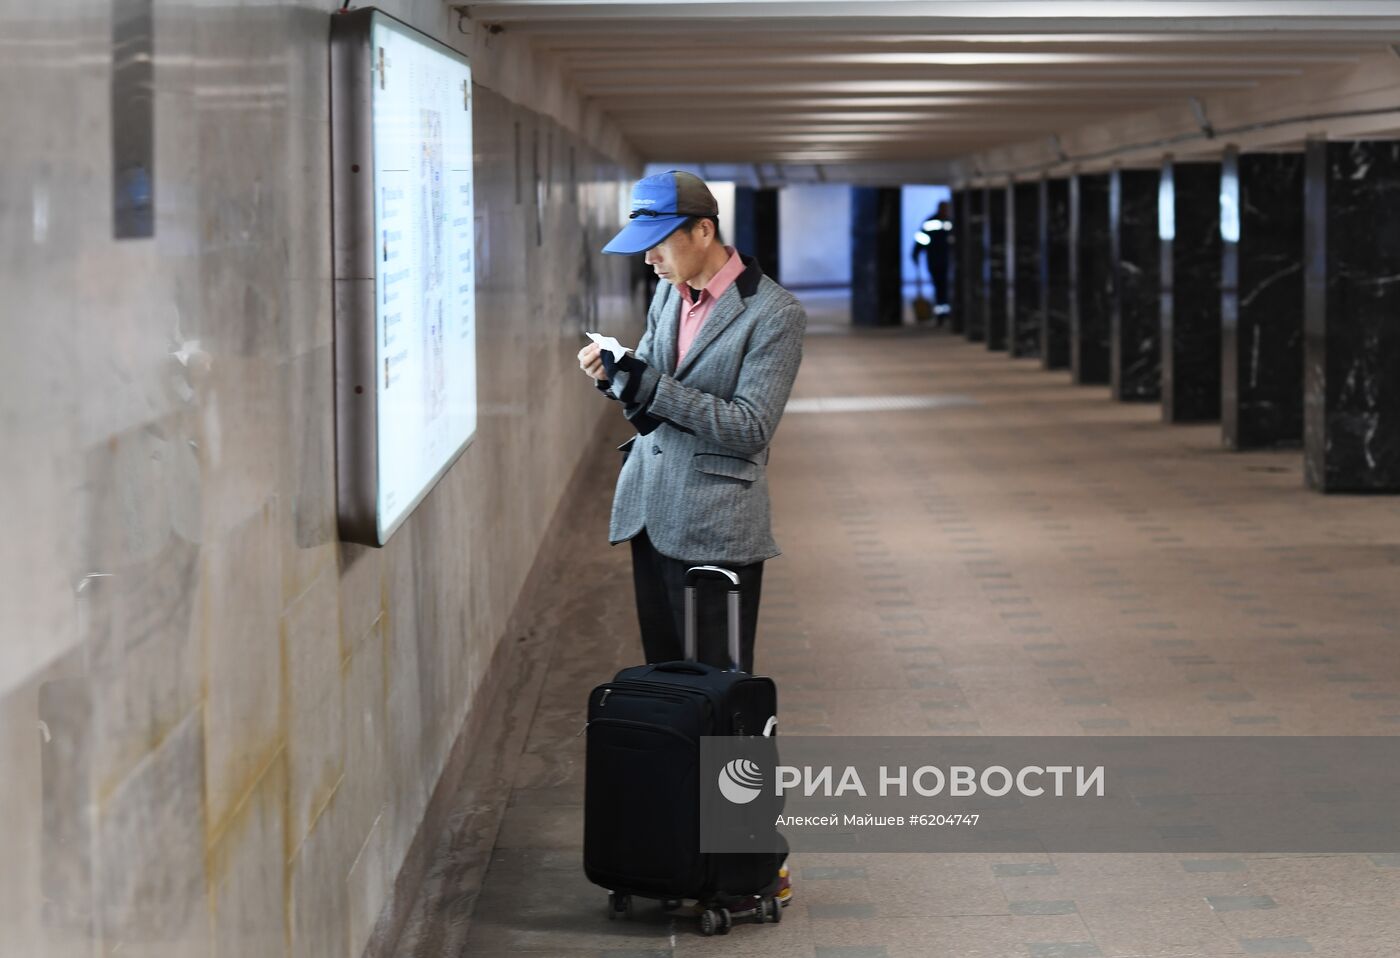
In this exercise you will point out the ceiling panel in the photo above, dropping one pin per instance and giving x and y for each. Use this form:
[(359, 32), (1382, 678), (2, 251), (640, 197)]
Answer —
[(814, 82)]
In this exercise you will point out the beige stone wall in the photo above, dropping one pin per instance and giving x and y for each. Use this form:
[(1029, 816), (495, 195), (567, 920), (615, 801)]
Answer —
[(219, 726)]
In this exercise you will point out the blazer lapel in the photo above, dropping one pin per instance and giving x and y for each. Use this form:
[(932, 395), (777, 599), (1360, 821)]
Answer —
[(730, 305), (668, 328)]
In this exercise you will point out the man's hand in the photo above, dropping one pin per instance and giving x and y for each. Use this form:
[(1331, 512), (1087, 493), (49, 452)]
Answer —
[(591, 362)]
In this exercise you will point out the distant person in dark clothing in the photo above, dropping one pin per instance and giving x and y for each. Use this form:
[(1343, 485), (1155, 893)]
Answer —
[(934, 242)]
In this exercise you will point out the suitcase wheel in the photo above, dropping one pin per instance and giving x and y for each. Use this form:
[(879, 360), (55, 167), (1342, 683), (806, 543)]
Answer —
[(619, 906), (773, 910), (716, 921)]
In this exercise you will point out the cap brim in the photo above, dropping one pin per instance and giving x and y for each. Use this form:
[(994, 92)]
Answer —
[(644, 232)]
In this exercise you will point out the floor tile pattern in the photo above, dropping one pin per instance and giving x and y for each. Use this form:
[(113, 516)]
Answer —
[(1036, 560)]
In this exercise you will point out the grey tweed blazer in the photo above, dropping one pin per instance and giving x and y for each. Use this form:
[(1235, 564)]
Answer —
[(695, 475)]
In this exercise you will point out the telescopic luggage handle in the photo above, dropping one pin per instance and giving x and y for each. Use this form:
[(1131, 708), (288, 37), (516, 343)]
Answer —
[(694, 575)]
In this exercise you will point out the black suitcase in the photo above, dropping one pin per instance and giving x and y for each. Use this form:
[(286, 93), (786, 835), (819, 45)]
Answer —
[(641, 833)]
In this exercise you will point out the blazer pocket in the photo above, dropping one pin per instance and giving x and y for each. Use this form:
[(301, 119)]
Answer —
[(733, 467)]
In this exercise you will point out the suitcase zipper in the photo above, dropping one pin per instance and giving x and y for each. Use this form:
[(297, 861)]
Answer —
[(678, 692), (682, 694), (601, 702), (675, 695)]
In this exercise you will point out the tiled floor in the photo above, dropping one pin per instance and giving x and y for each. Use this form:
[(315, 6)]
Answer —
[(1028, 559)]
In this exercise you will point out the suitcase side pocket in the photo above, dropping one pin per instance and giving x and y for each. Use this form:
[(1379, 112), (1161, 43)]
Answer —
[(641, 809)]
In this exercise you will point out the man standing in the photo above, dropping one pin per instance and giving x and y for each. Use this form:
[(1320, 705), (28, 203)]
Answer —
[(705, 389)]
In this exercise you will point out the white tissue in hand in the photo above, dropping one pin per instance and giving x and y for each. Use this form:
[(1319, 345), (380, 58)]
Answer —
[(610, 344)]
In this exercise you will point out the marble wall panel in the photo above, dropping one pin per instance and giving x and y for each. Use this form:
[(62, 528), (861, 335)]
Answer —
[(37, 368), (307, 133), (997, 232), (318, 904), (137, 606), (1135, 341), (150, 861), (1091, 278), (240, 420), (1262, 300), (66, 732), (306, 469), (247, 874), (1053, 276), (1351, 423), (369, 882), (243, 708), (313, 653), (243, 246), (363, 592), (46, 880), (46, 884), (225, 680), (439, 622), (366, 738), (146, 681), (410, 768)]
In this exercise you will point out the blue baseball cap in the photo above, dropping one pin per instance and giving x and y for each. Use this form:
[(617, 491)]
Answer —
[(660, 204)]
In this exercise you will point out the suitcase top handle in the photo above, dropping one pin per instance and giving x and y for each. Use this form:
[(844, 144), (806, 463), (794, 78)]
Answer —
[(693, 575), (684, 668)]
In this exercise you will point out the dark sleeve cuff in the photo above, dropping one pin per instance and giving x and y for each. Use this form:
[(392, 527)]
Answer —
[(640, 419), (641, 380), (637, 392), (609, 367)]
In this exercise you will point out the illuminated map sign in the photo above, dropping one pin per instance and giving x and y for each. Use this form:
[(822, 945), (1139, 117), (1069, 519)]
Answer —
[(404, 268)]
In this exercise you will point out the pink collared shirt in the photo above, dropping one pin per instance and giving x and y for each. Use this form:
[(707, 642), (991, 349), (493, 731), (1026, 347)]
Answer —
[(694, 314)]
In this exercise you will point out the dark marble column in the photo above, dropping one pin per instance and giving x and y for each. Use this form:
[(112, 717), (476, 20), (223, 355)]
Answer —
[(877, 256), (955, 265), (1189, 225), (1091, 279), (994, 305), (1351, 369), (1054, 273), (974, 262), (1024, 306), (756, 226), (1261, 301), (1135, 349)]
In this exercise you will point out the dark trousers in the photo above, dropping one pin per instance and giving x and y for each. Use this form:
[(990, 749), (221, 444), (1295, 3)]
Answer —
[(660, 587), (938, 263)]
